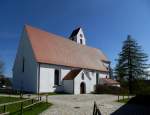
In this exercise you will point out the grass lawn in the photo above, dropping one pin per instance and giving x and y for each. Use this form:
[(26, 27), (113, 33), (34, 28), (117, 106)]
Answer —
[(4, 99), (34, 110), (15, 108)]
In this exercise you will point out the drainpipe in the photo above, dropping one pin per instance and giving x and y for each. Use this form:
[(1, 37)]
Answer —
[(73, 86), (38, 79)]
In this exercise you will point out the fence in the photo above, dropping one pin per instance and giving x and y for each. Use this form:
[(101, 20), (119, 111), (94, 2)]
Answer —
[(96, 110), (123, 97), (23, 104)]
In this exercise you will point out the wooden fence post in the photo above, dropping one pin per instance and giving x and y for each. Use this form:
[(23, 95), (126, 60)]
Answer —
[(98, 111), (4, 108), (123, 97), (32, 101), (94, 109), (46, 98), (21, 108), (38, 96), (118, 98)]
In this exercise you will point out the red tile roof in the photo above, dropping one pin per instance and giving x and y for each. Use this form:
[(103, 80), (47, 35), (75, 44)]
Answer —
[(72, 74), (53, 49)]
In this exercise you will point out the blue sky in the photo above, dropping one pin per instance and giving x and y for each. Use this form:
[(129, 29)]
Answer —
[(106, 23)]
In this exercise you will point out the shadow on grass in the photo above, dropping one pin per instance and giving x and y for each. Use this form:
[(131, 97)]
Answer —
[(139, 105)]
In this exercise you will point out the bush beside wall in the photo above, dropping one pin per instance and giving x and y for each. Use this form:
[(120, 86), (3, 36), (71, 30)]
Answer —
[(104, 89)]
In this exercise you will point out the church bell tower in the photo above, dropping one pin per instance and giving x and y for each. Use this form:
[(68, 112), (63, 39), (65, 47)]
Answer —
[(78, 36)]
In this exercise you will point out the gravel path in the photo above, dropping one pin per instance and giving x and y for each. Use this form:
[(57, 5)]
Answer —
[(81, 104)]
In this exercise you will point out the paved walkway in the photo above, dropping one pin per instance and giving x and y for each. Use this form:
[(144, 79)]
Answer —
[(81, 104)]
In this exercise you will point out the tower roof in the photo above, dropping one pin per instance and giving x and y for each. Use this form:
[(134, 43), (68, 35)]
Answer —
[(75, 32)]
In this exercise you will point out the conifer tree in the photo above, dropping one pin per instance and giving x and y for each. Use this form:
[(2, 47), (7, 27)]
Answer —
[(131, 64)]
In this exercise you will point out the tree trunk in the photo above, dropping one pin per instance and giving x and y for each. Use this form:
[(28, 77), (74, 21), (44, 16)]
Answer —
[(130, 86)]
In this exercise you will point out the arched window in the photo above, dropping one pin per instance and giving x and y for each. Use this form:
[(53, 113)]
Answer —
[(81, 35), (56, 77)]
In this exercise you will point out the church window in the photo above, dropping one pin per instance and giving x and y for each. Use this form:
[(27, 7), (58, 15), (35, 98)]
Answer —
[(83, 76), (81, 42), (97, 76), (56, 77), (81, 35)]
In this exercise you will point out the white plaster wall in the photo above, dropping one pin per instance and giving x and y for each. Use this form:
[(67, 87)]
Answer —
[(68, 86), (89, 80), (78, 37), (103, 75), (26, 80), (47, 78)]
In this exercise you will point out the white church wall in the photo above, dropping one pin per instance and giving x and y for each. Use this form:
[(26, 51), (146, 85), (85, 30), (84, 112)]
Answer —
[(89, 80), (80, 33), (68, 86), (64, 72), (26, 80), (93, 81), (47, 77), (103, 75)]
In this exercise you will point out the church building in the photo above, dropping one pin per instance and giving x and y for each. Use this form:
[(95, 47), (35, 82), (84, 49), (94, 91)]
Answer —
[(46, 62)]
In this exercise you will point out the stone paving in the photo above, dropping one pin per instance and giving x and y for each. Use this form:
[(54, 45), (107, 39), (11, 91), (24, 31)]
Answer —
[(81, 104)]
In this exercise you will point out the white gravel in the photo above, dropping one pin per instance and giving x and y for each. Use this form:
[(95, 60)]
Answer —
[(81, 104)]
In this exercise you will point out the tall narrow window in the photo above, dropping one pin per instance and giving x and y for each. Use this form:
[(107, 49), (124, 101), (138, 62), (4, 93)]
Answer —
[(23, 61), (81, 41), (97, 78), (82, 76), (56, 79)]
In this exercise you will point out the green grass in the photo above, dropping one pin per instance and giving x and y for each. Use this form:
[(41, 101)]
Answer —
[(14, 109), (34, 110), (4, 99)]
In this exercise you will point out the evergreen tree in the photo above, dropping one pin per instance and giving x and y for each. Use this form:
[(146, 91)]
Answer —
[(131, 64)]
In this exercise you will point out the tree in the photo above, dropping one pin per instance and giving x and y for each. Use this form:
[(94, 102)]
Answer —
[(131, 64)]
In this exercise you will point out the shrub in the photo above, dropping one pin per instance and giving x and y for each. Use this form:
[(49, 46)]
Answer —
[(141, 88), (104, 89)]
